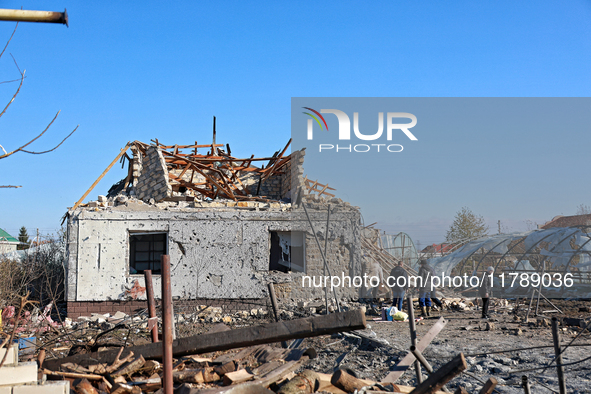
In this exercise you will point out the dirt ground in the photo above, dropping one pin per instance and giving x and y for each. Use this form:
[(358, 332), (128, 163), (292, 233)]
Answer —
[(493, 348), (488, 352)]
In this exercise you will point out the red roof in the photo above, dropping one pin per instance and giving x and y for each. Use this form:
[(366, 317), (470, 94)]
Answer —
[(438, 248)]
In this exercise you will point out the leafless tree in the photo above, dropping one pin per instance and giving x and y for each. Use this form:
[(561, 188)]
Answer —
[(583, 210), (531, 225), (4, 154)]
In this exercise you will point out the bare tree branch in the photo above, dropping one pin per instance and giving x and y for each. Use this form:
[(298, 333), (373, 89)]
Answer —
[(7, 186), (21, 149), (6, 46), (14, 96), (14, 80), (16, 64), (57, 146)]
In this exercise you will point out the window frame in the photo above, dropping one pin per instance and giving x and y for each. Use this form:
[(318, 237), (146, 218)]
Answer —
[(300, 268), (132, 251)]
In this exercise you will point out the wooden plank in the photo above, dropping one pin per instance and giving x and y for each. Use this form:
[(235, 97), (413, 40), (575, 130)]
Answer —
[(242, 354), (439, 378), (323, 189), (348, 383), (242, 375), (326, 386), (304, 382), (225, 368), (283, 162), (242, 337), (272, 377), (184, 170), (403, 389), (198, 166), (270, 172), (192, 186), (246, 352), (267, 367), (186, 146), (101, 177), (202, 375), (73, 375), (489, 386), (403, 365), (279, 373)]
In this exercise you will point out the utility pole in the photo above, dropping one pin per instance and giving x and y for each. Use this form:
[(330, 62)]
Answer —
[(499, 223)]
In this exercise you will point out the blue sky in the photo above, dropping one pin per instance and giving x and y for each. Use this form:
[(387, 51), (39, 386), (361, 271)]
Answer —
[(142, 70)]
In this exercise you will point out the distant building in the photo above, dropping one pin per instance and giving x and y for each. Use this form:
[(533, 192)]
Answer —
[(7, 242), (438, 250), (567, 221)]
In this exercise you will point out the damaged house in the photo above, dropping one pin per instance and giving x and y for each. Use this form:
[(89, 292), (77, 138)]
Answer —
[(230, 226)]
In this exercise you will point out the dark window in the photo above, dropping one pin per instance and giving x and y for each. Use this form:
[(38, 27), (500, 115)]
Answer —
[(287, 251), (145, 251)]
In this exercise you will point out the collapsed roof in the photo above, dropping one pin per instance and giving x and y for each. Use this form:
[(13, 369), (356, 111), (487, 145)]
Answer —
[(158, 172)]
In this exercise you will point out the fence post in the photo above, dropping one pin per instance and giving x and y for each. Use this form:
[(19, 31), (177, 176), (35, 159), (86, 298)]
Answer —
[(166, 325), (151, 303)]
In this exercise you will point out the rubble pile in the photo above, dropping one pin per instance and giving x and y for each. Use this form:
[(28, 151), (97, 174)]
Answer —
[(113, 353)]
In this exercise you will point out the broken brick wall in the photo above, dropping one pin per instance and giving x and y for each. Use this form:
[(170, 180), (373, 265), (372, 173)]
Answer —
[(216, 253), (150, 177), (151, 174), (343, 254)]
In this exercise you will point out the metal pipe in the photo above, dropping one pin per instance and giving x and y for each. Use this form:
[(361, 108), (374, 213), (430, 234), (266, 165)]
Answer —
[(166, 325), (419, 356), (151, 302), (557, 352), (273, 300), (271, 287), (550, 302), (334, 291), (326, 254), (540, 288), (531, 300), (413, 337), (34, 16), (525, 385)]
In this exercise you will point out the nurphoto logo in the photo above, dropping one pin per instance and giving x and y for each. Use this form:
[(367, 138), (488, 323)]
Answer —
[(345, 130)]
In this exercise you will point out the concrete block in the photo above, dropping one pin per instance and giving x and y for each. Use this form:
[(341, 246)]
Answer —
[(119, 315), (19, 374), (6, 390), (12, 358), (49, 387)]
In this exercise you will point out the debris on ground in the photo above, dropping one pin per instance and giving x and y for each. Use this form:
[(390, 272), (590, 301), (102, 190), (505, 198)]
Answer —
[(359, 360)]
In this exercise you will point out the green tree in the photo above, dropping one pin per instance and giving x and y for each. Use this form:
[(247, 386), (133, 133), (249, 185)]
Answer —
[(23, 238), (466, 225)]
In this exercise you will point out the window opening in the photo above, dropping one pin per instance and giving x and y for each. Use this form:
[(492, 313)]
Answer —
[(144, 252), (287, 252)]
